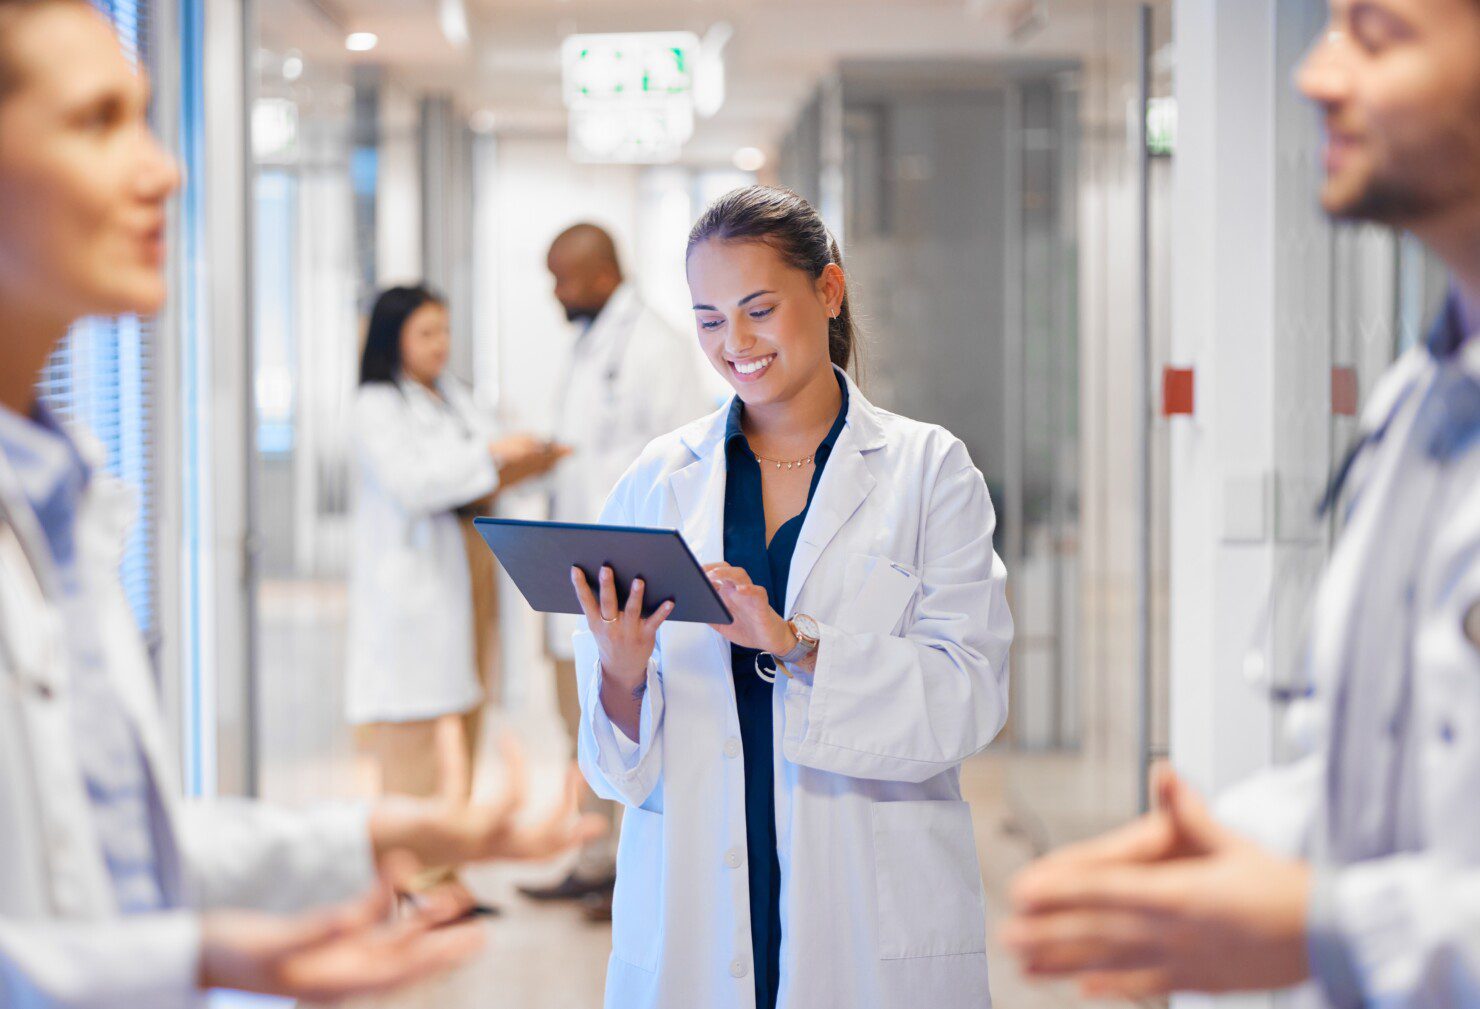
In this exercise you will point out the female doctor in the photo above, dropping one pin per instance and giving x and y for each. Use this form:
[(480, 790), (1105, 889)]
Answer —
[(795, 834), (422, 450)]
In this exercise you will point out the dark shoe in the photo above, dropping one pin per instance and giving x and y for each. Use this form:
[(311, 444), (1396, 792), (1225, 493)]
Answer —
[(572, 887), (598, 907)]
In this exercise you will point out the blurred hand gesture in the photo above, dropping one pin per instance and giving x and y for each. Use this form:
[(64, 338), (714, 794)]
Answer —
[(442, 832), (329, 955), (1173, 902), (521, 457)]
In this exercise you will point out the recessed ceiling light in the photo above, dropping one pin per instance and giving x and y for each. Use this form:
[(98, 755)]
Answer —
[(750, 159), (292, 68), (482, 121), (361, 42)]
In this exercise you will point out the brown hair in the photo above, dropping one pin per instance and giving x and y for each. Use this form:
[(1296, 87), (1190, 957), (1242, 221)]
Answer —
[(10, 12), (789, 224)]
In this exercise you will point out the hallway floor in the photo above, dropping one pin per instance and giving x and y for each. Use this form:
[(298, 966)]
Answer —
[(549, 957)]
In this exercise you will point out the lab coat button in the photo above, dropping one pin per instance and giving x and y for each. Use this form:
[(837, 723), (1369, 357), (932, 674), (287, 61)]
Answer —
[(732, 747), (739, 969), (732, 858)]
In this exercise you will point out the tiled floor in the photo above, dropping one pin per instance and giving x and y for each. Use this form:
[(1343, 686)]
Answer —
[(541, 957)]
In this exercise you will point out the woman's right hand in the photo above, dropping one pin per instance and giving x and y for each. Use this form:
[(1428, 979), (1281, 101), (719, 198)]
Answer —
[(522, 456), (624, 637)]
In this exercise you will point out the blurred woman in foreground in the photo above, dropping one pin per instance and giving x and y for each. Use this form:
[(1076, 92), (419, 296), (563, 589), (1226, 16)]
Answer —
[(113, 892)]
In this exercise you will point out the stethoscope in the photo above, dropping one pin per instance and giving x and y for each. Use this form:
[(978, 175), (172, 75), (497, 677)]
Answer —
[(1460, 427)]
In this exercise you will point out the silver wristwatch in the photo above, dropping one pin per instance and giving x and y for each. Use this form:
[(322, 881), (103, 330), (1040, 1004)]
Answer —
[(807, 632)]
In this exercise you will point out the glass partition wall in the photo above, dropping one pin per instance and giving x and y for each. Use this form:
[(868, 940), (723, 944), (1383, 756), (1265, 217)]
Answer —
[(305, 344), (992, 214)]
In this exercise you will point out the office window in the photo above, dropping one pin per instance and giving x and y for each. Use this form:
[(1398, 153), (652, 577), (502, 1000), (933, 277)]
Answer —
[(100, 377)]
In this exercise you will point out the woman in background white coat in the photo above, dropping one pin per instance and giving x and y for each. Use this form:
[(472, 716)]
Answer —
[(795, 834), (423, 450)]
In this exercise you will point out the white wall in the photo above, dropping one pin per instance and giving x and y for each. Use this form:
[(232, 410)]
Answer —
[(398, 193), (528, 191)]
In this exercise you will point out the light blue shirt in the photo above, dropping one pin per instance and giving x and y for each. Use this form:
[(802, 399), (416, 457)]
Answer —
[(53, 478)]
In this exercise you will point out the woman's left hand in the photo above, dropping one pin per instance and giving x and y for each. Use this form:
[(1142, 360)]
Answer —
[(756, 624)]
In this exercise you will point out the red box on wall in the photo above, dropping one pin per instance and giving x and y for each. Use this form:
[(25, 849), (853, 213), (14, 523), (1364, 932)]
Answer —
[(1344, 391), (1178, 392)]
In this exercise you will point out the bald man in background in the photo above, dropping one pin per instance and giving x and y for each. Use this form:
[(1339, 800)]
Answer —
[(631, 378)]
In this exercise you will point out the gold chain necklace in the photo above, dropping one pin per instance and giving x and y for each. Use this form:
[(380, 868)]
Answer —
[(782, 463)]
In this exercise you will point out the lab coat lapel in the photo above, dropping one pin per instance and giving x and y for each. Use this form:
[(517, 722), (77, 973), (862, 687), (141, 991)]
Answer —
[(846, 483), (699, 489)]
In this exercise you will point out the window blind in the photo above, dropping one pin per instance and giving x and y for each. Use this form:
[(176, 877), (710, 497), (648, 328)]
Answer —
[(101, 378)]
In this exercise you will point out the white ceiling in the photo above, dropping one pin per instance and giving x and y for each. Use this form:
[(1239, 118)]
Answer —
[(779, 51)]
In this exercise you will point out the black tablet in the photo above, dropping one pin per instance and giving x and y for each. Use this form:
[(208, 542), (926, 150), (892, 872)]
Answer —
[(539, 556)]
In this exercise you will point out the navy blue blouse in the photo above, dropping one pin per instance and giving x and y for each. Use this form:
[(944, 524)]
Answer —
[(768, 565)]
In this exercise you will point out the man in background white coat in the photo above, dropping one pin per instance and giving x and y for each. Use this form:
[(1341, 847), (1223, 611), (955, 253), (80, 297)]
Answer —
[(632, 377)]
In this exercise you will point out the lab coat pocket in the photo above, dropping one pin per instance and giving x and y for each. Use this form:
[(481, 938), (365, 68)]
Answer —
[(885, 589), (929, 883), (637, 917)]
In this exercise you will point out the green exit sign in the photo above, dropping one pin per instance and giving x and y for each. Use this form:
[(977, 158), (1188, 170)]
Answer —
[(630, 67)]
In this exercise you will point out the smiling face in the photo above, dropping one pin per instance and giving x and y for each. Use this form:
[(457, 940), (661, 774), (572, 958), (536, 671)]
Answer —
[(426, 343), (83, 183), (762, 322), (1399, 84)]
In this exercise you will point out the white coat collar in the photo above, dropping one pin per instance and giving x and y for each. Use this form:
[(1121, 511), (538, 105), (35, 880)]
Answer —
[(614, 321), (699, 487), (103, 518)]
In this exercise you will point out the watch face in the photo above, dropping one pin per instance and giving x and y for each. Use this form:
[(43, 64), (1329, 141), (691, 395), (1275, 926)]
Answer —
[(806, 627)]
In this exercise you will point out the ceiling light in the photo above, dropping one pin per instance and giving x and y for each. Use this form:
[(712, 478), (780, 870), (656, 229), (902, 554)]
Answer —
[(750, 159), (482, 121), (453, 17), (361, 42), (292, 68)]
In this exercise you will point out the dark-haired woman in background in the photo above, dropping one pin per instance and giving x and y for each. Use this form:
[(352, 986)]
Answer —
[(795, 834), (423, 450)]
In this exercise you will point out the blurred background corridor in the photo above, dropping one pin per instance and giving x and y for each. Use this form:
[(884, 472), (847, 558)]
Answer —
[(1023, 190)]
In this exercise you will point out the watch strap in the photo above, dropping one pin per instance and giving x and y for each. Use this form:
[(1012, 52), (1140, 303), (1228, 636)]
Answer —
[(799, 651)]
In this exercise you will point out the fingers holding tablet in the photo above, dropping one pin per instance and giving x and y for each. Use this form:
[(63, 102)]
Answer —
[(624, 637)]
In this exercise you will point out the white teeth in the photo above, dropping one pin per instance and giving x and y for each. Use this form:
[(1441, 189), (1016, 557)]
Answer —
[(751, 367)]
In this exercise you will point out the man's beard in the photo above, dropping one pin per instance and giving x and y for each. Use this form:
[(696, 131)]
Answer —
[(1394, 203), (1413, 190), (581, 316)]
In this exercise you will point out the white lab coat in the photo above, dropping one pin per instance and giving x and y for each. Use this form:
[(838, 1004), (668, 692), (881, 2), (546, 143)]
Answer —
[(63, 944), (410, 650), (631, 378), (881, 896), (1402, 930)]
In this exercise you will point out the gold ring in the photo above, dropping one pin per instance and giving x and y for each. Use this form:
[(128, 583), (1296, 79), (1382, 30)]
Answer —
[(613, 620)]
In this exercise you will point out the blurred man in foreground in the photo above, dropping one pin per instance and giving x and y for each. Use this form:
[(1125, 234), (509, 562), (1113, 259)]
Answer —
[(1359, 865)]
